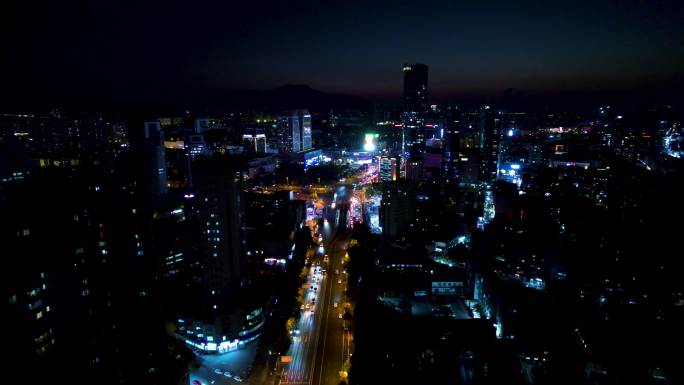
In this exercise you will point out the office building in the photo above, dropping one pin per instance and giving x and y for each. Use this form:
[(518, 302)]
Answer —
[(254, 143), (294, 131), (388, 168)]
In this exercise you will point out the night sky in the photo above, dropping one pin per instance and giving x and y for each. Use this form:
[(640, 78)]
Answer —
[(117, 50)]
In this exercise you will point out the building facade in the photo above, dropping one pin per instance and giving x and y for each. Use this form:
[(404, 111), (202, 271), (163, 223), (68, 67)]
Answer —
[(398, 208), (294, 131)]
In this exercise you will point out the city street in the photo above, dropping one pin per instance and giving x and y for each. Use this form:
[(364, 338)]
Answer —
[(320, 343), (304, 338), (333, 347)]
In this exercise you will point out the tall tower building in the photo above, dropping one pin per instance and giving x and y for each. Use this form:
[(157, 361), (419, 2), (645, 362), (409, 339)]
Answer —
[(155, 157), (490, 137), (220, 213), (294, 131), (452, 136), (415, 107), (415, 87)]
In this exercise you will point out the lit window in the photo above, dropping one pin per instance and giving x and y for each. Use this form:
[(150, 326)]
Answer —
[(39, 315)]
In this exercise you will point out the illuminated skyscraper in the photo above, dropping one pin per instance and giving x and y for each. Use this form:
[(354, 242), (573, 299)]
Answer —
[(294, 131), (254, 143), (452, 146), (388, 169), (490, 137)]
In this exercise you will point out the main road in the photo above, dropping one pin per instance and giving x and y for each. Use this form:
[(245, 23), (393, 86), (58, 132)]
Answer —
[(333, 347), (322, 345)]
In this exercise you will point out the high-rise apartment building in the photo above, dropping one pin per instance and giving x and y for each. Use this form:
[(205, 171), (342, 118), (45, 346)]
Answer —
[(398, 208), (78, 279), (220, 213)]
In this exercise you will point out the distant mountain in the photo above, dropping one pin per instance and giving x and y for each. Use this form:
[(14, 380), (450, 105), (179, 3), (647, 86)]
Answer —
[(155, 102), (292, 96)]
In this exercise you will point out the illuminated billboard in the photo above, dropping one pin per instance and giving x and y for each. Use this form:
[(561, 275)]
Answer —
[(369, 142)]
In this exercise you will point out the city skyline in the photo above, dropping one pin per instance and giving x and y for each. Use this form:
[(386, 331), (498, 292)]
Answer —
[(313, 193), (111, 53)]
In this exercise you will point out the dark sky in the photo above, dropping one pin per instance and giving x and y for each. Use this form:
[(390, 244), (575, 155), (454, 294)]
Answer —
[(108, 49)]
